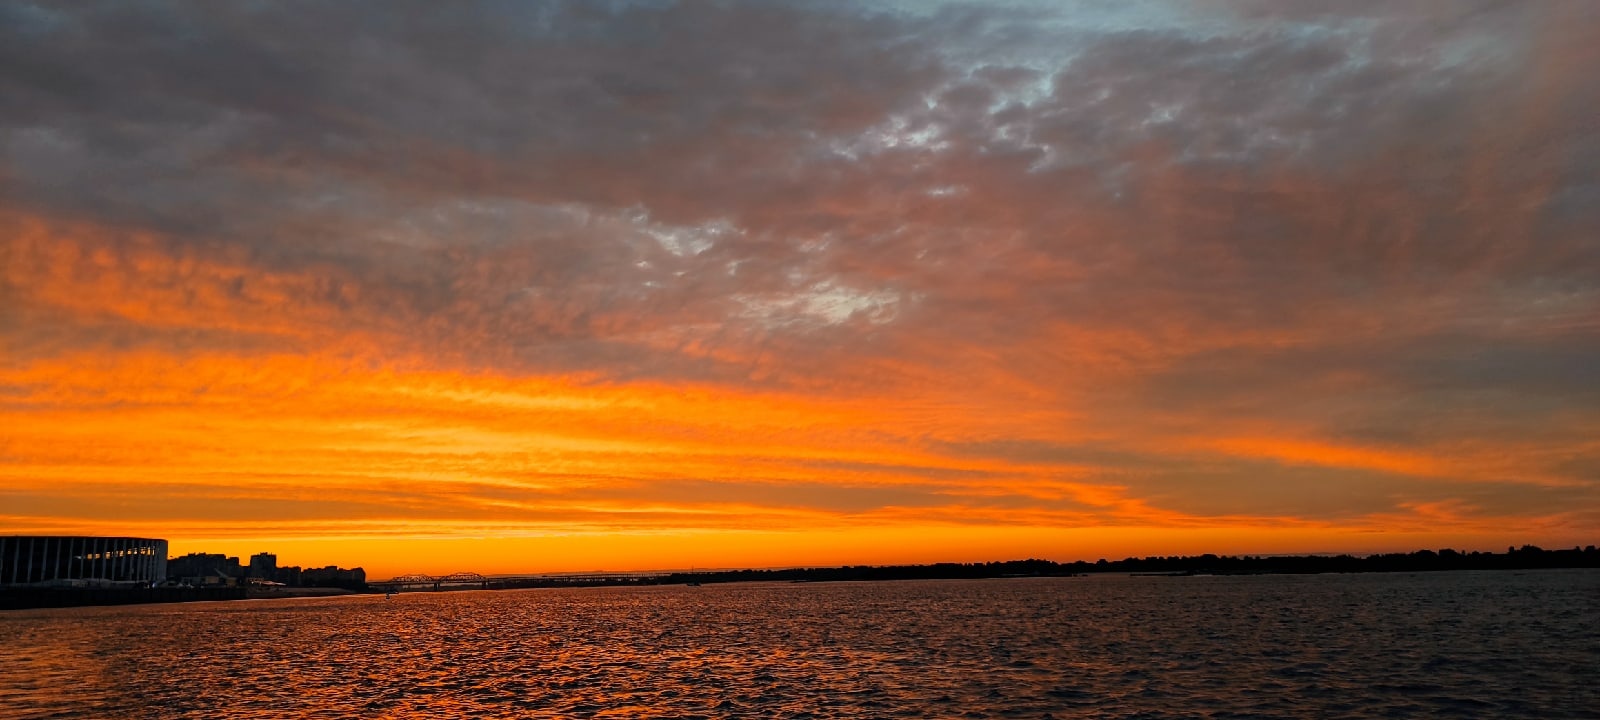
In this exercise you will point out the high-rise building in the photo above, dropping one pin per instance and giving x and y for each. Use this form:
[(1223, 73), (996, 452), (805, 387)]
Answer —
[(263, 565)]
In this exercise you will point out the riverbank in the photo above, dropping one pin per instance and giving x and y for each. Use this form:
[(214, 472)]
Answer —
[(24, 598), (269, 592)]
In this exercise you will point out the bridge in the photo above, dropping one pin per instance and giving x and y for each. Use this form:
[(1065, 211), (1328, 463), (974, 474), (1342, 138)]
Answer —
[(422, 582)]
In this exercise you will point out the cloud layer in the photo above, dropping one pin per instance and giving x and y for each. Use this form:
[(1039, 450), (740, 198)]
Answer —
[(389, 273)]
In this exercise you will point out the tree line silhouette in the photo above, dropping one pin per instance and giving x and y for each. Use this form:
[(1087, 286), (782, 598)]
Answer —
[(1527, 557)]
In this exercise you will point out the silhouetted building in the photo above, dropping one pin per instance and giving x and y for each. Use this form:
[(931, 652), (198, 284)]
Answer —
[(288, 575), (81, 560), (264, 566), (331, 576), (205, 569)]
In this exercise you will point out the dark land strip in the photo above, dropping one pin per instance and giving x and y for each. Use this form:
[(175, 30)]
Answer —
[(1526, 557)]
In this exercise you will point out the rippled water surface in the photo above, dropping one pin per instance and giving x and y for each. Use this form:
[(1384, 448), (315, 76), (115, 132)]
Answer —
[(1490, 644)]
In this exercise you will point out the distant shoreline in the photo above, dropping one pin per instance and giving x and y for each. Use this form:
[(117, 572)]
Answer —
[(1524, 558), (255, 592)]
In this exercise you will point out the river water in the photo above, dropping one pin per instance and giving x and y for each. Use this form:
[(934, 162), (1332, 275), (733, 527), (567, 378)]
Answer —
[(1467, 644)]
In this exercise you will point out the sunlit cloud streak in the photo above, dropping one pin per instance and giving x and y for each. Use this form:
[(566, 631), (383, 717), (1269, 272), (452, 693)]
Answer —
[(529, 270)]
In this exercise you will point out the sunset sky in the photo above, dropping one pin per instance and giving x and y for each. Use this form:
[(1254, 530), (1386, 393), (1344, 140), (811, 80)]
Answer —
[(545, 286)]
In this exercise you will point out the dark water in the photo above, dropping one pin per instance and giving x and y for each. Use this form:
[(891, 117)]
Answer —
[(1490, 644)]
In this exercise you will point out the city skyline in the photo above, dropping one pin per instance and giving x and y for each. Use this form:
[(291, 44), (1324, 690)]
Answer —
[(566, 286)]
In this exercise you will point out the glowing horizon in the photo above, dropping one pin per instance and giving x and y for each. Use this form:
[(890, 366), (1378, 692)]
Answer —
[(660, 285)]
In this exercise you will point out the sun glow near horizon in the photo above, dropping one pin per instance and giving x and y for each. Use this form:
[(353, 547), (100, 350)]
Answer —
[(346, 463)]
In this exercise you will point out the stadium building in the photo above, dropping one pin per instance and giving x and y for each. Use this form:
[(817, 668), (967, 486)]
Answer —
[(43, 560)]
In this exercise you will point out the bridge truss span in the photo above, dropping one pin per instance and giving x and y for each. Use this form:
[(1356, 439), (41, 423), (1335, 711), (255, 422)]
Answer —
[(416, 579), (459, 577), (467, 580), (424, 581)]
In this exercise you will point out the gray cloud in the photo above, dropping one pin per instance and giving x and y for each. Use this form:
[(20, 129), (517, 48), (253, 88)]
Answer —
[(1225, 214)]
